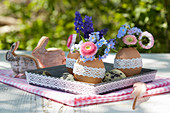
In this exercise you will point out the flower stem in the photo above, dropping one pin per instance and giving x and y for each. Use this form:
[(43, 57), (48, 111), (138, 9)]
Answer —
[(83, 39), (79, 34), (114, 50)]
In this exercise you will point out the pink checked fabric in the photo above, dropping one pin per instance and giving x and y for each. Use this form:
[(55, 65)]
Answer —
[(160, 85)]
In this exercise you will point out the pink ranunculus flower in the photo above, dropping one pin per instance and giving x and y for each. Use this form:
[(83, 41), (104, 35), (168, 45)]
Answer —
[(129, 40), (88, 49), (71, 40), (146, 40)]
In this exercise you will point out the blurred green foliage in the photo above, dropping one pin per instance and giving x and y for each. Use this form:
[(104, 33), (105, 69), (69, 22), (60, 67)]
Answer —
[(55, 19)]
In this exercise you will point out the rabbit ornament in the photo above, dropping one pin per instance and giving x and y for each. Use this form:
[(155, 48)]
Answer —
[(48, 57), (20, 63)]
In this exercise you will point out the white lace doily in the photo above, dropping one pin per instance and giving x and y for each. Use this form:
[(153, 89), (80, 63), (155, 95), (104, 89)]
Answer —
[(70, 62), (89, 71), (128, 63)]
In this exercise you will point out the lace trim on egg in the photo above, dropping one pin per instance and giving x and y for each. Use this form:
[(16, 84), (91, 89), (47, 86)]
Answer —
[(128, 63), (70, 62), (89, 71)]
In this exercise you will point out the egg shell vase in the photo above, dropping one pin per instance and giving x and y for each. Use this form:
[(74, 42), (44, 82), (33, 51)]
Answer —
[(71, 60), (89, 71), (129, 61)]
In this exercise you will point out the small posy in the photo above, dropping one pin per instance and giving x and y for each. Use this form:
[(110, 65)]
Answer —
[(93, 48), (131, 37)]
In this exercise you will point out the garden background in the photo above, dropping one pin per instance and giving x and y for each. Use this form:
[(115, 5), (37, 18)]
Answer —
[(27, 20)]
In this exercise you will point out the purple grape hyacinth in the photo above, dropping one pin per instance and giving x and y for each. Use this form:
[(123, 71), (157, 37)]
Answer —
[(78, 22), (103, 32), (88, 26)]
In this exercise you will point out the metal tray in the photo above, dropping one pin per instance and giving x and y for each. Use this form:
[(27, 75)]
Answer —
[(54, 81)]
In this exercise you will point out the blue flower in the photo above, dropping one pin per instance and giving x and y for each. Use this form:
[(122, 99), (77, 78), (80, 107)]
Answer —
[(78, 22), (134, 30), (122, 31), (102, 57), (91, 58), (130, 32), (111, 43), (94, 36), (87, 26), (84, 59), (101, 42), (108, 46), (106, 51), (81, 56), (127, 26), (95, 33), (119, 35)]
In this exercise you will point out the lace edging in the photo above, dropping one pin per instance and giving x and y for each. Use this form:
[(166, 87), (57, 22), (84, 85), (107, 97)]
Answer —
[(89, 71), (70, 62), (128, 63)]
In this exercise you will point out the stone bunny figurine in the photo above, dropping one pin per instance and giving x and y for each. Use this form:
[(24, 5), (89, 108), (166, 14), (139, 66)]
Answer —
[(20, 63), (48, 57)]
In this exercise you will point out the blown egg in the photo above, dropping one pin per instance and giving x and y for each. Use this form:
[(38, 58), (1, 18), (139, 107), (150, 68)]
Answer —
[(71, 60), (129, 61)]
